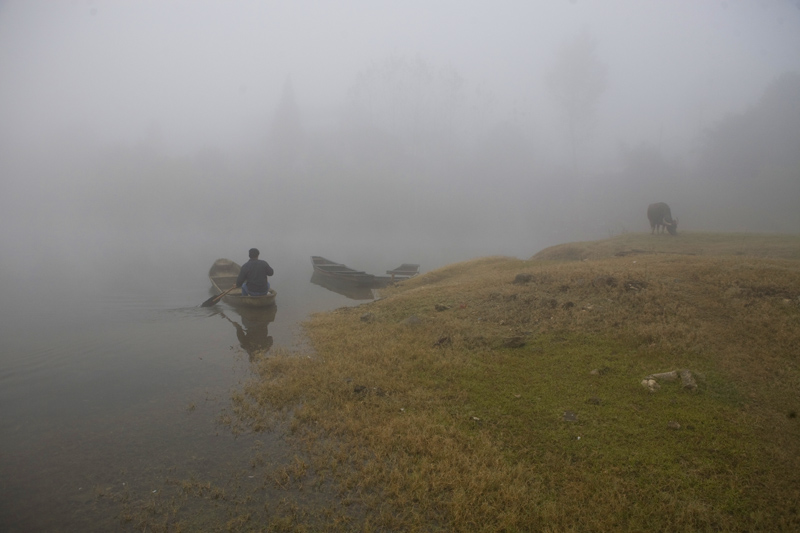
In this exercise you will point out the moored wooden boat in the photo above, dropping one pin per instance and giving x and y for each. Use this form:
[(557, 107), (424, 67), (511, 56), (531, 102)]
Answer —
[(332, 270), (341, 273), (404, 271), (223, 274), (354, 292)]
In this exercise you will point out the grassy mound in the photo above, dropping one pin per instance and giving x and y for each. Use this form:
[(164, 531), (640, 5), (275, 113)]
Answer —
[(735, 244), (503, 394)]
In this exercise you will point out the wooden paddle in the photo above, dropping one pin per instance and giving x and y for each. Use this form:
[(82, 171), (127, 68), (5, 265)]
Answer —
[(214, 299)]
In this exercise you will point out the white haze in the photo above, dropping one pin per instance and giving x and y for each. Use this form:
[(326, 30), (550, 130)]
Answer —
[(374, 132)]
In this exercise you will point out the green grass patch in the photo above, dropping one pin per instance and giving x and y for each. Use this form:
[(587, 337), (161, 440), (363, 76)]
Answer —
[(567, 410), (502, 394)]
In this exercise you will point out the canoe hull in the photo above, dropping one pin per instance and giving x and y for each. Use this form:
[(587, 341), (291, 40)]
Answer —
[(349, 290), (250, 302), (223, 274), (342, 274)]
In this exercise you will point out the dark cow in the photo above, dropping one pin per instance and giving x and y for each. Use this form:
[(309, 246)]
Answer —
[(660, 218)]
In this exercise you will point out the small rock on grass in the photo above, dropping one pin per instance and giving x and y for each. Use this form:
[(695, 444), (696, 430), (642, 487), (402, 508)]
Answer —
[(651, 385), (687, 380), (665, 376)]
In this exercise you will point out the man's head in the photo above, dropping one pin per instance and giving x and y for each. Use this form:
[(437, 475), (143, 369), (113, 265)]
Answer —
[(254, 253)]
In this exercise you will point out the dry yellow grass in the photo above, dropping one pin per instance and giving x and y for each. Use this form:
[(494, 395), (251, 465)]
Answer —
[(505, 394), (501, 394)]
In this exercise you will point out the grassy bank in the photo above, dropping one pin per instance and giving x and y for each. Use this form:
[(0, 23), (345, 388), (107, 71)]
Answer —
[(506, 394)]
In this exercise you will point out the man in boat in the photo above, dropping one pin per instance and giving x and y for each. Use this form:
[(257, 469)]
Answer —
[(253, 275)]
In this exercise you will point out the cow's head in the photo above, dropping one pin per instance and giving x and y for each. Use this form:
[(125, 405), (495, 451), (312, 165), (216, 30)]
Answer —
[(672, 228)]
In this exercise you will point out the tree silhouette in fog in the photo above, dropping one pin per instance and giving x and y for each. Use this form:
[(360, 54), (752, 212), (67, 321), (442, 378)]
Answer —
[(405, 108), (752, 159), (286, 138), (576, 80), (742, 146)]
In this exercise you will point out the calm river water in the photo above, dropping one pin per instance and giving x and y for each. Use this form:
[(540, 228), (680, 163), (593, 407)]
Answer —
[(121, 390)]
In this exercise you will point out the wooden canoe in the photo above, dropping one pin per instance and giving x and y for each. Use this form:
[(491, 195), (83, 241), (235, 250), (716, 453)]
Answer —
[(329, 269), (358, 278), (223, 274), (354, 292)]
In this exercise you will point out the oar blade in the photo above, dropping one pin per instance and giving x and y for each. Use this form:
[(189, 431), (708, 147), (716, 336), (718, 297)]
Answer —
[(214, 299), (211, 301)]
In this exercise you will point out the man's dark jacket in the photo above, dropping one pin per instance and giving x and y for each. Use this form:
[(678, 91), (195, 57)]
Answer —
[(255, 273)]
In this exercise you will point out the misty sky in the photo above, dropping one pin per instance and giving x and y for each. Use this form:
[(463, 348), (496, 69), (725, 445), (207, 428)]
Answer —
[(143, 126), (207, 72)]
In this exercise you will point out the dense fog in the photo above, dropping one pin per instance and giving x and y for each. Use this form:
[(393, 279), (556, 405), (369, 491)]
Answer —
[(135, 135)]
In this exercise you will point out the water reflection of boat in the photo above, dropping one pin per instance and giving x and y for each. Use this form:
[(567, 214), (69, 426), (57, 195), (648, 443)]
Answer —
[(344, 274), (253, 332), (223, 275), (353, 292)]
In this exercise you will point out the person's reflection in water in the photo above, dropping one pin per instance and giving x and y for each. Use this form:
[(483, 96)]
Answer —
[(253, 332)]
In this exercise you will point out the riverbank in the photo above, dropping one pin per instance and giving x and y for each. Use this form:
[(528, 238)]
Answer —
[(535, 395)]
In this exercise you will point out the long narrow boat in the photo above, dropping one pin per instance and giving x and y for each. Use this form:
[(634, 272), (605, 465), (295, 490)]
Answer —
[(223, 274), (354, 292), (339, 272)]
